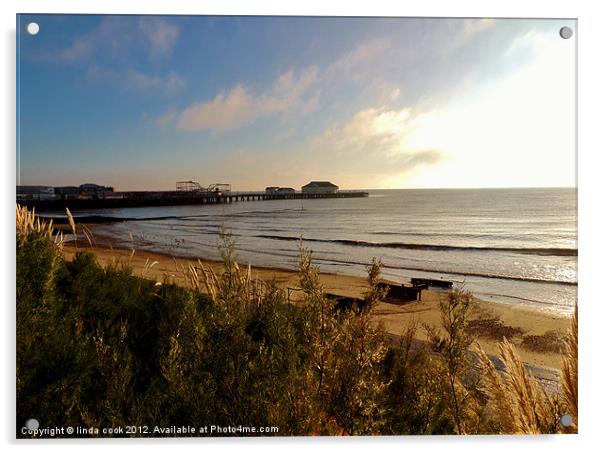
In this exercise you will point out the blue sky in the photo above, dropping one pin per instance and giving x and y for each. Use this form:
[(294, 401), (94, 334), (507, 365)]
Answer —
[(139, 102)]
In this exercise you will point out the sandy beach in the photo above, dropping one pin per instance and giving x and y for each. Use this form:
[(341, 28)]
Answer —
[(534, 332)]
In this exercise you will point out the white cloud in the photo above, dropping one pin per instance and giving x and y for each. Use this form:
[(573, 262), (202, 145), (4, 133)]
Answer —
[(81, 47), (160, 35), (379, 140), (137, 80), (165, 119), (359, 56), (117, 37), (290, 92), (468, 31), (225, 111), (98, 73), (132, 79), (110, 48), (238, 107), (368, 131), (363, 152), (381, 92), (174, 83)]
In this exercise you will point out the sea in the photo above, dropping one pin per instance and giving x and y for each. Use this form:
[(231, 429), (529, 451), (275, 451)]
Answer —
[(513, 246)]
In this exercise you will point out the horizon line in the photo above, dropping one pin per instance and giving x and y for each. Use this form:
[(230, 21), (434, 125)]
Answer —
[(344, 189)]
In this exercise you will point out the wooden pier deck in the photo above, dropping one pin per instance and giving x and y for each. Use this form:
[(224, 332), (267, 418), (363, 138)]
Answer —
[(173, 198)]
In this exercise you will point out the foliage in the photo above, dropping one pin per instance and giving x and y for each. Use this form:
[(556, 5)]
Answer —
[(416, 402), (452, 344)]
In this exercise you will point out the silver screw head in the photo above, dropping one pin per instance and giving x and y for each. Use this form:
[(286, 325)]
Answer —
[(32, 424), (32, 28), (566, 32), (566, 420)]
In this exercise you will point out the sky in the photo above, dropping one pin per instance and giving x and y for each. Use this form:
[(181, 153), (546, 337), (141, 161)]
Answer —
[(140, 102)]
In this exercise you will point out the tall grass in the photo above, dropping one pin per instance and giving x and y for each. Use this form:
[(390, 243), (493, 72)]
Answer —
[(570, 372), (520, 404), (28, 225)]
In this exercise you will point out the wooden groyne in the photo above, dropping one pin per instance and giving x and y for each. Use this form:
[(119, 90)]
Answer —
[(430, 282), (175, 198)]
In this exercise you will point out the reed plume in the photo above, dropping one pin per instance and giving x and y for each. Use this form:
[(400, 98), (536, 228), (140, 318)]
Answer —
[(71, 223), (27, 223), (520, 403)]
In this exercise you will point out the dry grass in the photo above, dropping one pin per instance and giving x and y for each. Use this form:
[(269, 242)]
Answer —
[(519, 403), (570, 372), (28, 223), (72, 224), (89, 236), (148, 265), (203, 279)]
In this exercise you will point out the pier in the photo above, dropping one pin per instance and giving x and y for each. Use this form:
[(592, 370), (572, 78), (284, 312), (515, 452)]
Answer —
[(175, 198)]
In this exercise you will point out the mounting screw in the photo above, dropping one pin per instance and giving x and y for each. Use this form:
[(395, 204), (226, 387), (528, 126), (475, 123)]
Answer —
[(566, 420), (566, 32), (32, 424), (33, 28)]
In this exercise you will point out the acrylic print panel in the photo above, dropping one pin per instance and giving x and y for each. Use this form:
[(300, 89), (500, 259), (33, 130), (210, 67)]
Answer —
[(168, 167)]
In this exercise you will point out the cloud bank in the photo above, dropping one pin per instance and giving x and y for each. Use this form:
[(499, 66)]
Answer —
[(118, 37), (111, 48), (379, 136), (238, 106)]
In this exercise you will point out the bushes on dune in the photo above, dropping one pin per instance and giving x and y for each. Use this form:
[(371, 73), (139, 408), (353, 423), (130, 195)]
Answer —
[(98, 346), (416, 401)]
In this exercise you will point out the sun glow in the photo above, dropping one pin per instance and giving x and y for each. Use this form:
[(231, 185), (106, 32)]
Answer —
[(521, 125)]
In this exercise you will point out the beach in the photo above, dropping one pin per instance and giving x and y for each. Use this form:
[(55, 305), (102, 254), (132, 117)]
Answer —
[(533, 331)]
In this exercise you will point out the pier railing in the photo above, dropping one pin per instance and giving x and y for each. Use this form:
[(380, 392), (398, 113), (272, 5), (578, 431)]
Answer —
[(172, 198)]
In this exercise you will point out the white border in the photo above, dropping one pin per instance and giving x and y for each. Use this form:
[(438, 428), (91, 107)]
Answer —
[(590, 126)]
